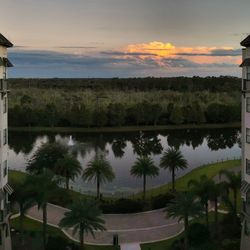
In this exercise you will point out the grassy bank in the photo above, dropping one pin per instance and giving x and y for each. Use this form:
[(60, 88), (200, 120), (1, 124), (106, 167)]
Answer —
[(210, 170), (35, 228), (123, 128)]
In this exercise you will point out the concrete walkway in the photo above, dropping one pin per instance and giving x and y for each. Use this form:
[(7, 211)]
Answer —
[(141, 227), (131, 246)]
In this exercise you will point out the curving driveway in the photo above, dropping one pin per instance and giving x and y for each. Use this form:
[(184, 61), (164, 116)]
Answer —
[(140, 227)]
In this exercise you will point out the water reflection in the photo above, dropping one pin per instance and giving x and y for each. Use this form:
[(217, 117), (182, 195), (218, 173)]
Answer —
[(199, 146)]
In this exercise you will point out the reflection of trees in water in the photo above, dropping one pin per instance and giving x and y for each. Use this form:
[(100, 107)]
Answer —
[(222, 138), (189, 137), (143, 143), (146, 143), (21, 142), (118, 146)]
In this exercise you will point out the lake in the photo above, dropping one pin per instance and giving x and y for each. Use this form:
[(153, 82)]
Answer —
[(199, 147)]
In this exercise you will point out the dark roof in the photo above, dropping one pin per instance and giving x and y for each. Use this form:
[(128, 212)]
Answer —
[(5, 42), (246, 62), (246, 42)]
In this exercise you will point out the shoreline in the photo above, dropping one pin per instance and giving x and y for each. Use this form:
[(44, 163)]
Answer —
[(125, 128)]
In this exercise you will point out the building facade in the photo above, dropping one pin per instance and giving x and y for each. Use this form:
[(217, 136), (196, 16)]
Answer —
[(245, 133), (5, 189)]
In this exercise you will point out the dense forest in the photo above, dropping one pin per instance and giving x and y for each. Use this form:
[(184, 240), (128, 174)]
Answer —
[(124, 102)]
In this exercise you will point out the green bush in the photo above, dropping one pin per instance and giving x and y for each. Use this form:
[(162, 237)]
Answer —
[(123, 206), (56, 243), (198, 234), (160, 201)]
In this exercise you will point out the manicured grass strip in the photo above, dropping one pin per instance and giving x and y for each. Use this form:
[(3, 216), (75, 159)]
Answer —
[(123, 129), (35, 226), (166, 244), (210, 170)]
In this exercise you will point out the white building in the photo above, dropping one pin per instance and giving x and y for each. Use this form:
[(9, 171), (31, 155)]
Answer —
[(5, 189)]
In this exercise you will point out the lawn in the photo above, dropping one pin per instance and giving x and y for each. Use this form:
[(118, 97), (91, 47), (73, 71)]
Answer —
[(210, 170), (36, 228), (166, 244)]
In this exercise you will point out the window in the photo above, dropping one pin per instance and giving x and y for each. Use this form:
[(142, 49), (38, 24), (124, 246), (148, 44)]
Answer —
[(5, 136), (5, 104), (248, 104), (5, 168), (248, 135), (248, 166), (248, 73)]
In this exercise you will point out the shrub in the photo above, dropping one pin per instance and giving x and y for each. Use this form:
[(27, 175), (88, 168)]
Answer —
[(123, 206), (160, 201), (198, 234), (60, 243)]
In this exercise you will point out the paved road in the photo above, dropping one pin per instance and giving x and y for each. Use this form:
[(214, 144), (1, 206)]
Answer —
[(141, 227)]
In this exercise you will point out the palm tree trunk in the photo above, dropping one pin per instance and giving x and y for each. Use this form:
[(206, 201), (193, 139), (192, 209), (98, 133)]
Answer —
[(44, 207), (98, 188), (216, 217), (235, 201), (206, 207), (173, 179), (186, 233), (67, 182), (144, 186), (21, 224), (81, 236)]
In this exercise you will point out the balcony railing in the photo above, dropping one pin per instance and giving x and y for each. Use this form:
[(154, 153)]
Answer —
[(246, 85)]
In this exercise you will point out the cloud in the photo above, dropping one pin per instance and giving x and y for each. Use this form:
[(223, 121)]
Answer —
[(76, 47), (152, 59)]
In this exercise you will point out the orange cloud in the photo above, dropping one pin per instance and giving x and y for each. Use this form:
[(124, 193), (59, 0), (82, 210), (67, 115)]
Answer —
[(159, 50)]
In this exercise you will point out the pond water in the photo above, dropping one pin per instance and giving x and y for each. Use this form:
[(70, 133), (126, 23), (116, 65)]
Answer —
[(199, 147)]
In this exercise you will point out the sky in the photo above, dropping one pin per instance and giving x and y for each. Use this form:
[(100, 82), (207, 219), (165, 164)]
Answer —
[(124, 38)]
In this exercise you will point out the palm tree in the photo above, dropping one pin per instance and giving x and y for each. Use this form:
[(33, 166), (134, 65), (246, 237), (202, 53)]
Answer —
[(216, 191), (46, 157), (184, 206), (143, 167), (100, 170), (202, 188), (43, 188), (84, 217), (234, 183), (23, 197), (68, 167), (173, 160)]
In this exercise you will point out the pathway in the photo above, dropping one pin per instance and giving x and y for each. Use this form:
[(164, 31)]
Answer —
[(140, 227), (130, 246)]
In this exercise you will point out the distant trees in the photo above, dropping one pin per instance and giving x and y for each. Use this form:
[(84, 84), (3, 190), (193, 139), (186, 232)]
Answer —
[(125, 102)]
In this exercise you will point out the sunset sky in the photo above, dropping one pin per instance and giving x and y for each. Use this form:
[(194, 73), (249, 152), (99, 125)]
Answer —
[(125, 38)]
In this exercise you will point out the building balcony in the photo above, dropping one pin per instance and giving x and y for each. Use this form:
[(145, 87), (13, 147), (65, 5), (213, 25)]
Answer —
[(246, 85), (4, 88)]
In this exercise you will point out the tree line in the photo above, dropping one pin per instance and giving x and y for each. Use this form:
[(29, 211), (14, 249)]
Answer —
[(182, 84), (124, 102)]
